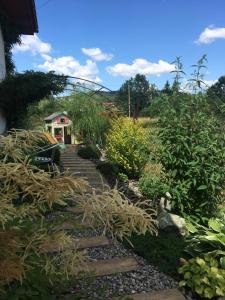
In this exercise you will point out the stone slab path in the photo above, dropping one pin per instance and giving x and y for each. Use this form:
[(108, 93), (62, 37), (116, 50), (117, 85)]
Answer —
[(80, 167), (172, 294), (108, 263)]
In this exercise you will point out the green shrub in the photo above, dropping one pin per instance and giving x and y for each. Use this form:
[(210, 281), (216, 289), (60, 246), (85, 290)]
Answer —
[(122, 177), (107, 168), (193, 154), (207, 239), (204, 276), (152, 186), (127, 146), (89, 152)]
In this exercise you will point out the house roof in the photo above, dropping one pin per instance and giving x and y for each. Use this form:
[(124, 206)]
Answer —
[(22, 14), (55, 115)]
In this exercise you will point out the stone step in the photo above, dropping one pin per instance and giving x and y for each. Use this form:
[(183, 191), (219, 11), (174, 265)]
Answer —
[(81, 168), (87, 174), (80, 244), (170, 294), (77, 163), (112, 266)]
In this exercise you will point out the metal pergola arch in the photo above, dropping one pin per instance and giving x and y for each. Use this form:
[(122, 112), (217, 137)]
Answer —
[(85, 85)]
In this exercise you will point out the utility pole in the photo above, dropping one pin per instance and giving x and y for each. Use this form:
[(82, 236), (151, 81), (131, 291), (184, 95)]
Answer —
[(128, 100)]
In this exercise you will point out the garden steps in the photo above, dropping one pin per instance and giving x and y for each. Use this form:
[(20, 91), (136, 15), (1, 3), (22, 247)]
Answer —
[(170, 294), (79, 167), (112, 266), (81, 244), (109, 266)]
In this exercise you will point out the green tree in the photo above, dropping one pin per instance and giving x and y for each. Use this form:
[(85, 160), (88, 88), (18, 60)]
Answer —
[(88, 116), (19, 90), (139, 90), (167, 90), (218, 89), (36, 112)]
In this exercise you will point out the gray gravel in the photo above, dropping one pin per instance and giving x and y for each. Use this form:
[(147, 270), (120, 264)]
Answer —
[(146, 278)]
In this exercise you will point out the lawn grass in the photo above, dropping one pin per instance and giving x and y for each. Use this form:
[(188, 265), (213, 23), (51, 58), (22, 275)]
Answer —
[(162, 251)]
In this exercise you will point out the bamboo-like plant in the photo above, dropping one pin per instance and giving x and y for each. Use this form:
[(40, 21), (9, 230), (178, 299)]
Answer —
[(117, 215)]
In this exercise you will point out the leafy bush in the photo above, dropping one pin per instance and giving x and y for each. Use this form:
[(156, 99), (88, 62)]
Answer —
[(193, 154), (108, 168), (205, 273), (89, 152), (152, 186), (204, 276), (207, 239), (127, 146)]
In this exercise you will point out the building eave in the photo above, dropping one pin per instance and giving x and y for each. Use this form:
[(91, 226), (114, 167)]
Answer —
[(22, 14)]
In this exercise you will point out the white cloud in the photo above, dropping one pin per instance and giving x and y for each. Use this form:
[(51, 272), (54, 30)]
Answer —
[(97, 54), (208, 83), (141, 66), (68, 65), (33, 44), (209, 35)]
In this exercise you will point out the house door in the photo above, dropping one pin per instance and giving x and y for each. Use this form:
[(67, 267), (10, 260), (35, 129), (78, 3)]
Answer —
[(67, 135)]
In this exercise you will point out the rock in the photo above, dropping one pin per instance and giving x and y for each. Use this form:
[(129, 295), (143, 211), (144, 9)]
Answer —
[(171, 223), (164, 204)]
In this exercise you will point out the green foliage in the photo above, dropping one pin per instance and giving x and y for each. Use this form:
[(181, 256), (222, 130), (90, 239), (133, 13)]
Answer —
[(152, 186), (206, 239), (204, 276), (205, 273), (88, 117), (122, 177), (167, 90), (140, 94), (178, 71), (218, 89), (193, 154), (198, 76), (36, 286), (163, 250), (89, 152), (157, 106), (36, 112), (127, 146), (19, 90)]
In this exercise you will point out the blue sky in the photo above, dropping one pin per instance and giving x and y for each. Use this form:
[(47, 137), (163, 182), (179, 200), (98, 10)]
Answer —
[(109, 41)]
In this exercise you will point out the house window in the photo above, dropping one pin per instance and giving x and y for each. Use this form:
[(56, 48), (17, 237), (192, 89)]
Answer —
[(62, 120)]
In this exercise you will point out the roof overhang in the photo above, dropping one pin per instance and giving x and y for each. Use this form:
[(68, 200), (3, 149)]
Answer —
[(22, 14)]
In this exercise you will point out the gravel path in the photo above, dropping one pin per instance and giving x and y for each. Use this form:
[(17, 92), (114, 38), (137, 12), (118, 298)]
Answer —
[(146, 278)]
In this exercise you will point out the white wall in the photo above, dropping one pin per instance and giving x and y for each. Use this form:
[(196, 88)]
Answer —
[(2, 57), (2, 76)]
